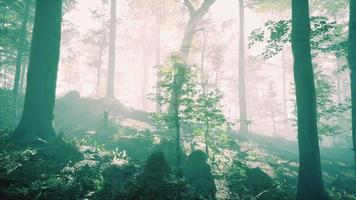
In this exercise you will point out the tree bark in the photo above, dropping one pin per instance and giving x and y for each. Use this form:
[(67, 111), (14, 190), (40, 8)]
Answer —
[(352, 64), (310, 181), (37, 116), (112, 45), (20, 48), (242, 87)]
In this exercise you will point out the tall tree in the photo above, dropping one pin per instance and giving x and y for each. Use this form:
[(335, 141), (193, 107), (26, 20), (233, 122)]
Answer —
[(158, 53), (195, 16), (284, 87), (98, 37), (37, 116), (181, 69), (310, 182), (20, 48), (352, 64), (242, 81), (110, 90)]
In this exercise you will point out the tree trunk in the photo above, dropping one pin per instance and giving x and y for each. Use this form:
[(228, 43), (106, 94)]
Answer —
[(284, 87), (352, 64), (310, 182), (22, 77), (202, 63), (20, 48), (338, 81), (274, 127), (158, 57), (242, 87), (188, 39), (144, 65), (178, 69), (37, 116), (100, 62), (112, 45), (206, 134), (195, 17)]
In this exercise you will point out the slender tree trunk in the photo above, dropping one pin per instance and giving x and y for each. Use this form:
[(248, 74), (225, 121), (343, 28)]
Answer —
[(310, 181), (242, 87), (1, 67), (352, 64), (178, 137), (22, 77), (145, 65), (175, 105), (37, 116), (145, 77), (202, 63), (100, 62), (338, 87), (110, 90), (206, 135), (284, 87), (20, 48), (158, 57), (274, 127)]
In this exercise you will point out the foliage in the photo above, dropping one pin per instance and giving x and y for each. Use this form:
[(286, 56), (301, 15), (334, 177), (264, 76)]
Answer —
[(277, 34), (198, 106), (11, 18), (271, 106), (171, 75), (249, 183), (330, 7)]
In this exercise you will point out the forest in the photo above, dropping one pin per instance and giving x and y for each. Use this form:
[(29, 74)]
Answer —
[(177, 100)]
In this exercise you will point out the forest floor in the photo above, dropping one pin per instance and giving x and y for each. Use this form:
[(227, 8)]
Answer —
[(91, 147)]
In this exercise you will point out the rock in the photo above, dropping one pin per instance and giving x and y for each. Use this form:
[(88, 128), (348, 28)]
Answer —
[(156, 168), (198, 172), (259, 184), (256, 178)]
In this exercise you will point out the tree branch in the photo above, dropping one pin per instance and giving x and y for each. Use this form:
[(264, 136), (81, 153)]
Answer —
[(204, 8), (206, 4), (190, 7)]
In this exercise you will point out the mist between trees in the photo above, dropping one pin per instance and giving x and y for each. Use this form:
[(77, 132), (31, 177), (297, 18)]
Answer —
[(183, 99)]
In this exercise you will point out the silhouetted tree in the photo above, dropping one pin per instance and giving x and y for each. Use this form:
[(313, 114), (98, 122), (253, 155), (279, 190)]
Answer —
[(110, 90), (37, 116), (196, 15), (20, 48), (352, 64), (310, 182), (242, 87)]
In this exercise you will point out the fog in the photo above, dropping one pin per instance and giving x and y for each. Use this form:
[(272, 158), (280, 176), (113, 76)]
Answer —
[(177, 99)]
